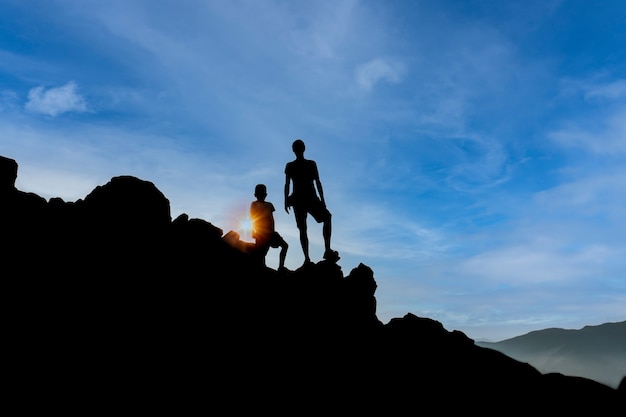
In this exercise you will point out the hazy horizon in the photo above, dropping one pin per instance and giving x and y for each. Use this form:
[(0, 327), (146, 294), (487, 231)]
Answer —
[(472, 153)]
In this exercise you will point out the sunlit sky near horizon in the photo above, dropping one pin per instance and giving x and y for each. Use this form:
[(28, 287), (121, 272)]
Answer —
[(472, 153)]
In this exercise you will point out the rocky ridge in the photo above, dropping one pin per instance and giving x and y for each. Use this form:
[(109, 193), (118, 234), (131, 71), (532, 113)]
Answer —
[(112, 303)]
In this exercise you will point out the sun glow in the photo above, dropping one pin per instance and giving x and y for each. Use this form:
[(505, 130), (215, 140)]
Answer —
[(245, 228), (246, 225)]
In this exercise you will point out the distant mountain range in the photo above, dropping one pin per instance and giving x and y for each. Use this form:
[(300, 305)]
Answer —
[(594, 352)]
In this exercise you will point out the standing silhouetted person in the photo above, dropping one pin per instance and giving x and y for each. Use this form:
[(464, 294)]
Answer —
[(263, 232), (304, 199)]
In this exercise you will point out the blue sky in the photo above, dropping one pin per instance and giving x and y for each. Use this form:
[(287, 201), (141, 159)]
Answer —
[(471, 152)]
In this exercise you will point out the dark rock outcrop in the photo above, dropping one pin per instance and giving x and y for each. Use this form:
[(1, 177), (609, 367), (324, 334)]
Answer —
[(110, 303)]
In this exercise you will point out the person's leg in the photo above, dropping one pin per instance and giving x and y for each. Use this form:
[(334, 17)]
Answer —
[(326, 231), (321, 215), (326, 219), (301, 216), (259, 252), (304, 242), (283, 254), (265, 252), (279, 242)]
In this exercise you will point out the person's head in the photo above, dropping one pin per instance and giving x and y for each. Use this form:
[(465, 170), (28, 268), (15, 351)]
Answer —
[(298, 147), (260, 191)]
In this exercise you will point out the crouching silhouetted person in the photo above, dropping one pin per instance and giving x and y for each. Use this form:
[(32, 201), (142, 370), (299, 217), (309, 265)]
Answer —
[(263, 230)]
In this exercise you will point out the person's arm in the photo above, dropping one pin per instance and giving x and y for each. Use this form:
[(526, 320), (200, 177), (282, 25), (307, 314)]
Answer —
[(287, 182), (253, 216), (320, 191), (318, 185), (271, 219)]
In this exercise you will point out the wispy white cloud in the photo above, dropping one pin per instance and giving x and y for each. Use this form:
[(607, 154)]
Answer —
[(371, 73), (482, 162), (56, 100), (605, 137), (543, 263), (8, 100), (602, 131), (613, 90), (596, 196)]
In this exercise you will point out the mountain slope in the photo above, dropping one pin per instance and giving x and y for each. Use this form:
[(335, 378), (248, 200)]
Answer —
[(595, 352)]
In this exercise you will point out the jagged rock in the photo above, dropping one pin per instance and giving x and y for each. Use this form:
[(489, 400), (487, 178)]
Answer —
[(8, 173), (125, 203)]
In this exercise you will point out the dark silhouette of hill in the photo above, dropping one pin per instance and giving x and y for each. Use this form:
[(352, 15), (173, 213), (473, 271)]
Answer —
[(113, 306), (595, 352)]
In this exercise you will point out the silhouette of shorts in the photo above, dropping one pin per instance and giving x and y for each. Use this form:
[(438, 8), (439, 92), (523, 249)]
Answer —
[(312, 206), (274, 240)]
